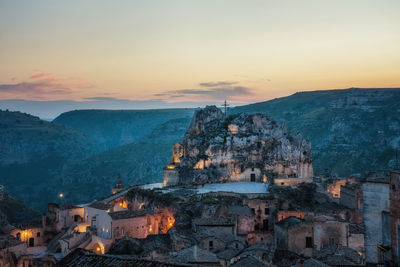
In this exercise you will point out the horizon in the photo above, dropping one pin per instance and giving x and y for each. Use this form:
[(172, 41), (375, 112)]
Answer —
[(50, 110)]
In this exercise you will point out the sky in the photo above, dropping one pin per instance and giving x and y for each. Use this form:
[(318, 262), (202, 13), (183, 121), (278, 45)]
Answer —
[(180, 53)]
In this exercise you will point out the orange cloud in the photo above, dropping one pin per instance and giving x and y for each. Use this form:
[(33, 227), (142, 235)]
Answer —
[(43, 84)]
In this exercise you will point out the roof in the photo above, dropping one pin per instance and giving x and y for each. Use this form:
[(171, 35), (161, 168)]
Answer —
[(100, 205), (70, 206), (314, 263), (288, 222), (196, 255), (215, 221), (10, 241), (84, 258), (240, 210), (227, 254), (126, 214), (249, 261), (339, 255)]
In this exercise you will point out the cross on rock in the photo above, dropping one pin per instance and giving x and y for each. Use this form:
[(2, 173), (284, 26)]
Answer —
[(225, 105)]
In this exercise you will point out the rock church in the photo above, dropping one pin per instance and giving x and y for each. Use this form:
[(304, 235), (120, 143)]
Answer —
[(240, 147)]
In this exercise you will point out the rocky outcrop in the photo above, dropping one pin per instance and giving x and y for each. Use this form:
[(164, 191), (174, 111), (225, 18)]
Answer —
[(241, 147)]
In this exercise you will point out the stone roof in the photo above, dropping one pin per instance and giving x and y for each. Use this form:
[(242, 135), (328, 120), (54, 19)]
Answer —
[(196, 255), (227, 254), (8, 242), (126, 214), (339, 256), (84, 258), (248, 261), (288, 222), (215, 221), (314, 263), (240, 210), (100, 205)]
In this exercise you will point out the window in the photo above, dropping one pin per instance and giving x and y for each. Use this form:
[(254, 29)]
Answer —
[(76, 218), (38, 234), (266, 211), (253, 177), (309, 243), (332, 241), (210, 244), (253, 210)]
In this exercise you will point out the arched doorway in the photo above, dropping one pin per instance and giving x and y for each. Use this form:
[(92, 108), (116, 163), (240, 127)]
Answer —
[(253, 177)]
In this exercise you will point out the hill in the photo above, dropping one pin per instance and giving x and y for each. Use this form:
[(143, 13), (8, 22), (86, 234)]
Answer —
[(32, 151), (94, 177), (112, 128), (15, 212), (351, 131)]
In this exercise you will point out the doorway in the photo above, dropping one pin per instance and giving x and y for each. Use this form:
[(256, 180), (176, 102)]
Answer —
[(31, 242)]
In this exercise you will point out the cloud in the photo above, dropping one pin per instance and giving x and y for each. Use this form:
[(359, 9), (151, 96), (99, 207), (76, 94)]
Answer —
[(217, 84), (217, 93), (101, 98), (42, 84)]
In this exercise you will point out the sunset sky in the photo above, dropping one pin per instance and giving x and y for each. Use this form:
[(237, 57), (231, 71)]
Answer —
[(194, 51)]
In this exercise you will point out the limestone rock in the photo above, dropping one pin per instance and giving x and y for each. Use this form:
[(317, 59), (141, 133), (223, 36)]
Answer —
[(241, 147)]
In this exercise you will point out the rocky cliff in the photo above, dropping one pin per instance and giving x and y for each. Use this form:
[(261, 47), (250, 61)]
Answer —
[(241, 147)]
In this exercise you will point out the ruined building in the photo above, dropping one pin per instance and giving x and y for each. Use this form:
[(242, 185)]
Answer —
[(240, 147)]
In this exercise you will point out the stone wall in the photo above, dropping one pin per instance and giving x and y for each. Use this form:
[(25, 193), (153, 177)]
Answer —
[(170, 177), (292, 182), (138, 227), (375, 201)]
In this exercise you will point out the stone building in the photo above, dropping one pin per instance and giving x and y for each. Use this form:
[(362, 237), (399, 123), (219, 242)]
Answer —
[(308, 237), (376, 207), (171, 171), (240, 147), (334, 188), (68, 215), (118, 187), (395, 215), (351, 196), (32, 234)]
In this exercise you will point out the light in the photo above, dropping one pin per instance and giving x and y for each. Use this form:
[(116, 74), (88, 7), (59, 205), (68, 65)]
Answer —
[(170, 166), (98, 249), (61, 195)]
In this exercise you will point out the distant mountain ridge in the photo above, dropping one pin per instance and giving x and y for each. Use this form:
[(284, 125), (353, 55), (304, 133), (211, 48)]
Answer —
[(112, 128)]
